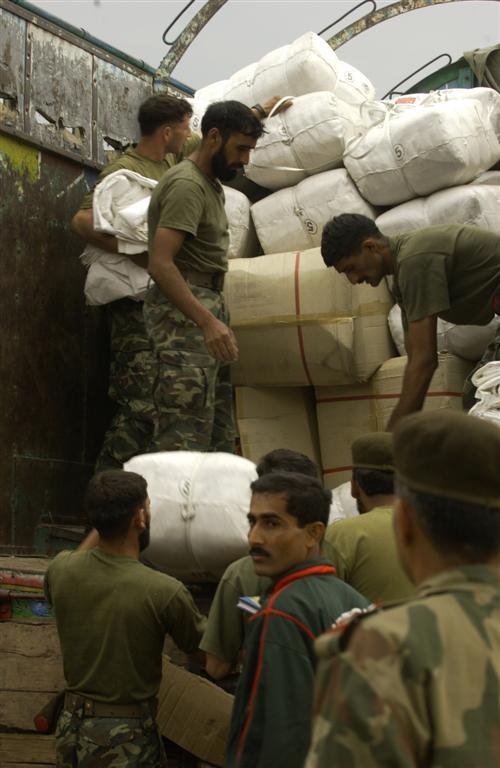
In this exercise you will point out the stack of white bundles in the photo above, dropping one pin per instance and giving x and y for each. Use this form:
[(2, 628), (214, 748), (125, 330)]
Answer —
[(298, 322), (487, 382), (352, 86), (199, 507), (489, 98), (294, 217), (475, 203), (346, 413), (202, 99), (417, 151), (467, 341), (307, 138), (243, 241)]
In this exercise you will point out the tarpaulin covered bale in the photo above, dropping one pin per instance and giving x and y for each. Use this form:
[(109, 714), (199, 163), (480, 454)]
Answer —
[(346, 413), (298, 322)]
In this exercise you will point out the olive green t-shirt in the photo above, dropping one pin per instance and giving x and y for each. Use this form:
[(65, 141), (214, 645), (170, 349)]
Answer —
[(363, 551), (451, 271), (188, 200), (131, 160), (112, 614)]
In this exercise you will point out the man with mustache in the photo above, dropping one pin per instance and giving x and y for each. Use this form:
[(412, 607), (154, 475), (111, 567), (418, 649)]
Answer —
[(271, 721), (452, 272), (184, 311), (112, 615)]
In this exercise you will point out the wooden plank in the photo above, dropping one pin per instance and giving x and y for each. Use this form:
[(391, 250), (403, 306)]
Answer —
[(21, 749), (25, 673), (30, 639), (24, 564), (18, 708)]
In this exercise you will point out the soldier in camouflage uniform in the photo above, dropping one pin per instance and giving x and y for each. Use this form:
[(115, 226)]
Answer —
[(184, 310), (164, 125), (417, 685), (112, 615)]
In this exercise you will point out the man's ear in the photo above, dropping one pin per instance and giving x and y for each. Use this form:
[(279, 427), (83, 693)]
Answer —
[(139, 519), (355, 489), (316, 532), (214, 138), (404, 523)]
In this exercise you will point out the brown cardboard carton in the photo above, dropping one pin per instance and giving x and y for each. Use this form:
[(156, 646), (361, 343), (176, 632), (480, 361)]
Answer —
[(194, 713)]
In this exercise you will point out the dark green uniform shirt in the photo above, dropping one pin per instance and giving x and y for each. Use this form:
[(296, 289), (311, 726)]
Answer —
[(452, 272), (112, 616), (188, 200), (271, 722)]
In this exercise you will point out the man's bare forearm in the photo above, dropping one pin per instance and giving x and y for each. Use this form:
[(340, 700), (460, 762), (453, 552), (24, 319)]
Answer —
[(83, 225), (416, 380)]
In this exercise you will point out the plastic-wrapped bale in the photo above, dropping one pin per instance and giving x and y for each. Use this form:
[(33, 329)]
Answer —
[(202, 99), (294, 217), (467, 341), (489, 98), (417, 151), (346, 413), (199, 507), (243, 242), (352, 85), (299, 323), (277, 417), (307, 138), (343, 504), (476, 204), (306, 65)]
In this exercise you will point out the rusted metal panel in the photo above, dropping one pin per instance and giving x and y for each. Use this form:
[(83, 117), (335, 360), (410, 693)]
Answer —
[(53, 354), (60, 108), (12, 52), (119, 95)]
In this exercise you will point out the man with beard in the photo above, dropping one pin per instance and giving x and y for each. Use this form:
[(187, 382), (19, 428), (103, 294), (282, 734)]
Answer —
[(112, 615), (184, 310)]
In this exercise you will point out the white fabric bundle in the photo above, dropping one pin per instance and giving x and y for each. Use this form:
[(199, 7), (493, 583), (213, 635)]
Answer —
[(475, 203), (465, 341), (352, 86), (487, 381), (294, 217), (417, 151), (243, 241), (199, 507), (343, 504), (307, 138)]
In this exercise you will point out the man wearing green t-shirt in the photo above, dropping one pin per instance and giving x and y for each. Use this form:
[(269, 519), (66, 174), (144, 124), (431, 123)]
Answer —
[(184, 310), (452, 272), (164, 126), (363, 548), (112, 615)]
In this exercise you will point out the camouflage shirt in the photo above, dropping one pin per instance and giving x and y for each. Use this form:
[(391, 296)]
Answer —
[(415, 685)]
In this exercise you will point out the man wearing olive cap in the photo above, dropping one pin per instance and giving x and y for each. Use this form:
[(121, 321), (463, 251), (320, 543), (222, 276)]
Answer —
[(363, 548), (419, 684)]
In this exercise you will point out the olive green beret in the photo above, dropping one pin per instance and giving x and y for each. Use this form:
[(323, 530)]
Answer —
[(449, 454), (373, 451)]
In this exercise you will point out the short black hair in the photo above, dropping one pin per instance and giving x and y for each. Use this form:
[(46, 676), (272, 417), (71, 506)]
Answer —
[(161, 109), (453, 527), (286, 460), (231, 117), (343, 235), (374, 482), (112, 499), (306, 499)]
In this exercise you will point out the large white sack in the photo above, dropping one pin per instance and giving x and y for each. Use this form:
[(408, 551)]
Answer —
[(418, 151), (466, 341), (476, 204), (294, 217), (343, 504), (307, 138), (487, 381), (489, 98), (306, 65), (352, 85), (243, 241), (199, 507)]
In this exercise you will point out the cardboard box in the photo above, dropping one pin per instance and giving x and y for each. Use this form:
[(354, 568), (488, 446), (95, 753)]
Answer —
[(298, 323), (194, 713), (277, 417), (346, 413)]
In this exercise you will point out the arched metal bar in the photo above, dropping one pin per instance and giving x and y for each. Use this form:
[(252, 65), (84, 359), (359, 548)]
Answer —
[(416, 71), (186, 37), (181, 13), (348, 13)]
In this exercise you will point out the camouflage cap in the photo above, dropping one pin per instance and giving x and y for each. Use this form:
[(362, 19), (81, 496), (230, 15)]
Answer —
[(449, 454), (373, 451)]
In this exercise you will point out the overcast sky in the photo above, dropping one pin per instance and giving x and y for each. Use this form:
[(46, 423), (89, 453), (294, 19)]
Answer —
[(244, 30)]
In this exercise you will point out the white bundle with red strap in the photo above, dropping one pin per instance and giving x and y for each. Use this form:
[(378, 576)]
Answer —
[(199, 507)]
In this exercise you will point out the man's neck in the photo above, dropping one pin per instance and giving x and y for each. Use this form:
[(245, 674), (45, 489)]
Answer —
[(202, 158), (151, 148), (388, 259), (379, 500), (121, 547)]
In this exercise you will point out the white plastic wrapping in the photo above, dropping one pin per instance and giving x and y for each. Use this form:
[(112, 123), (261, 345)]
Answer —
[(487, 381), (243, 241)]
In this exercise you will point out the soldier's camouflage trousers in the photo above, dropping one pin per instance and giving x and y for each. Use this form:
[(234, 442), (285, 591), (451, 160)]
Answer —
[(491, 353), (131, 378), (108, 742), (192, 390)]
